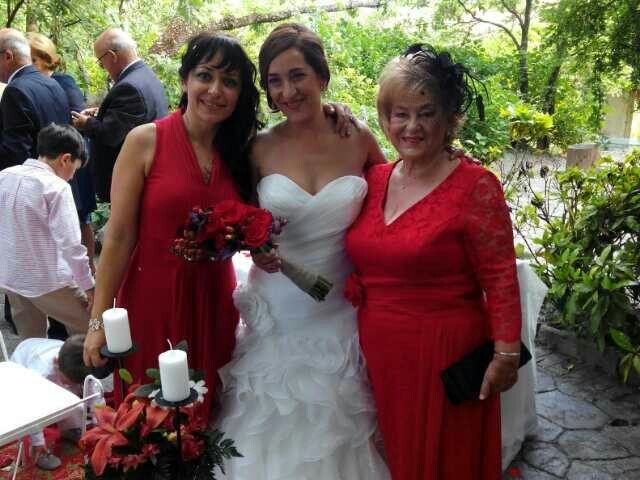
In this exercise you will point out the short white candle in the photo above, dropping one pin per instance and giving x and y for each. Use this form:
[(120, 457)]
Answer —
[(174, 375), (116, 329)]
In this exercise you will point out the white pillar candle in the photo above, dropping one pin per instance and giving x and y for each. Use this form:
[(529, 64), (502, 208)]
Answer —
[(174, 375), (116, 329)]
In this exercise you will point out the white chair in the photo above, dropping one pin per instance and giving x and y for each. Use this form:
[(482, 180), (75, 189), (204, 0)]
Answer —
[(3, 347), (92, 389), (518, 405), (21, 396)]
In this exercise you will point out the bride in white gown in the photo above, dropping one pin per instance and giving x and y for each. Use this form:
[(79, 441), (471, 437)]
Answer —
[(296, 398)]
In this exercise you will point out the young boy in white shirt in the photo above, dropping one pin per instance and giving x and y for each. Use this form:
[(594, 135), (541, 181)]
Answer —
[(61, 363), (43, 265)]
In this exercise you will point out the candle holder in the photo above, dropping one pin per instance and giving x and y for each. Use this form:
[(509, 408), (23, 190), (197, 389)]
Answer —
[(159, 399), (118, 357)]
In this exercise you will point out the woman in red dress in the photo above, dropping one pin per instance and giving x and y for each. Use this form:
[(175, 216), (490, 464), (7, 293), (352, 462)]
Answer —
[(195, 156), (436, 277)]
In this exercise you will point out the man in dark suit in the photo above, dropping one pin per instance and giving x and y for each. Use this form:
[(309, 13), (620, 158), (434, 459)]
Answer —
[(136, 97), (29, 102)]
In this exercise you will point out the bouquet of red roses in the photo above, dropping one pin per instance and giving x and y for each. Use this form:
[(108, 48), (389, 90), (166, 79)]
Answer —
[(218, 233)]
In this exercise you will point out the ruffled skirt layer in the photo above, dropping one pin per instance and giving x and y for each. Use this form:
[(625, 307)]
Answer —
[(298, 406)]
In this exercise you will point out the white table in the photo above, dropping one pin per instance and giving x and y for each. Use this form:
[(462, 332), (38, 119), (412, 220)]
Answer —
[(29, 402), (518, 404)]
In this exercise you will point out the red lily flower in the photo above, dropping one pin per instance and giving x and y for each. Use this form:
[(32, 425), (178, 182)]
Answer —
[(108, 432), (154, 416)]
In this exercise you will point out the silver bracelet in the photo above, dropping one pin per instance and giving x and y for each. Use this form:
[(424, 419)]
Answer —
[(507, 354), (95, 324)]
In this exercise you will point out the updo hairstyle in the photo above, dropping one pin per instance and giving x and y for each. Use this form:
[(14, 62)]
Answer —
[(284, 37), (422, 69), (43, 48)]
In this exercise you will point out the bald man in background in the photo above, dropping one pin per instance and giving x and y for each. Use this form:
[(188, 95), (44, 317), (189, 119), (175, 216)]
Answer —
[(136, 97)]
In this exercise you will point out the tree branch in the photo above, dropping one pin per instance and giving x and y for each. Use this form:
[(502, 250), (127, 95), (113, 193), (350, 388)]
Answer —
[(179, 30), (11, 15), (513, 12), (495, 24)]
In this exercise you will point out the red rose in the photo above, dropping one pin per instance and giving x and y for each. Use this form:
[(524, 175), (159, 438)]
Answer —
[(257, 227), (354, 290), (229, 212)]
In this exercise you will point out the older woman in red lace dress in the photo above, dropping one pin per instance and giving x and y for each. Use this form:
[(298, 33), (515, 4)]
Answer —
[(435, 264)]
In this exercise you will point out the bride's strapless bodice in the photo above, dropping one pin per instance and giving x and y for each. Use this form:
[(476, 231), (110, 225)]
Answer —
[(313, 237)]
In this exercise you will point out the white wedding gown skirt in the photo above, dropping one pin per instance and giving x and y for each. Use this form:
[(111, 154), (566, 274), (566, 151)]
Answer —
[(296, 399)]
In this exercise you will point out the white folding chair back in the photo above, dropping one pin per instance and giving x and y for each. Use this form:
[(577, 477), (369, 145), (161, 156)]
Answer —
[(3, 347), (93, 389)]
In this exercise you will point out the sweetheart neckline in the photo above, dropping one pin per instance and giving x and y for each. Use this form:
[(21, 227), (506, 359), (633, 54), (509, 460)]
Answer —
[(304, 190)]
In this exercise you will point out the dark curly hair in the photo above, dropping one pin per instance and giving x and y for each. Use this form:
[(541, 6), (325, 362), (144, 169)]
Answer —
[(234, 137), (423, 68)]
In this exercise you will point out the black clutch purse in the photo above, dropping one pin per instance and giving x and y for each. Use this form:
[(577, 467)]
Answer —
[(463, 379)]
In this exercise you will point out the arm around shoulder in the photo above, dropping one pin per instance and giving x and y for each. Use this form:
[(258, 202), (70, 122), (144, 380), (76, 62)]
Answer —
[(374, 153)]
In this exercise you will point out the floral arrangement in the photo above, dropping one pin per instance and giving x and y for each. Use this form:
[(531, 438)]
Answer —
[(138, 440), (218, 233)]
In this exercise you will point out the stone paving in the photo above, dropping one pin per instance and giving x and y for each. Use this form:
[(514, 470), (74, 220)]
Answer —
[(588, 423)]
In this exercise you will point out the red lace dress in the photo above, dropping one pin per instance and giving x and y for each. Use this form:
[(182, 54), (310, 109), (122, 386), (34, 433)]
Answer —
[(167, 297), (425, 278)]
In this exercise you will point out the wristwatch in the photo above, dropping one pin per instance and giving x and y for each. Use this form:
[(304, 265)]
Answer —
[(95, 324)]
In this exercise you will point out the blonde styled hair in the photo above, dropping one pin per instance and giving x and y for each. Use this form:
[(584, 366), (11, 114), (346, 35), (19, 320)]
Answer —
[(44, 49), (422, 70)]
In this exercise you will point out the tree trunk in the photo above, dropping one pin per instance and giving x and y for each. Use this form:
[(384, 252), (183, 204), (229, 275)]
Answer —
[(179, 31), (523, 51), (31, 19), (549, 99), (523, 80)]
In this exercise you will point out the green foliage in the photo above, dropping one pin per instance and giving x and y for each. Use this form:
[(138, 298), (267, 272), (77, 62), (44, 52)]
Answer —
[(99, 219), (605, 34), (526, 124), (591, 253), (632, 354)]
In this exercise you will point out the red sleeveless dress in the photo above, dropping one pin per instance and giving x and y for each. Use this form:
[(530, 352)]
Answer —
[(437, 282), (167, 297)]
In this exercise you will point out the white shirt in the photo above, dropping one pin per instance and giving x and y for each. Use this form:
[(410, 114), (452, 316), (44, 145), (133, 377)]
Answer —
[(128, 66), (40, 248), (14, 73)]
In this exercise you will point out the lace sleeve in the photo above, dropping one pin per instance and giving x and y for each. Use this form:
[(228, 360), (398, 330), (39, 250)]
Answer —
[(489, 243)]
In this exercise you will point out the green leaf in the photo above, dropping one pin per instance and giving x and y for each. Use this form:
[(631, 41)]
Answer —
[(182, 345), (604, 255), (572, 307), (125, 376), (636, 363), (621, 340), (153, 373), (144, 390), (625, 366)]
